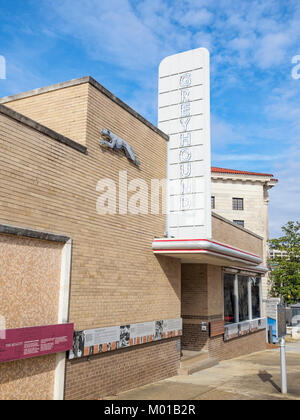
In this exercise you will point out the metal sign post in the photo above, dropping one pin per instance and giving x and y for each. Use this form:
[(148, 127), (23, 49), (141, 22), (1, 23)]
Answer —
[(281, 329), (283, 366)]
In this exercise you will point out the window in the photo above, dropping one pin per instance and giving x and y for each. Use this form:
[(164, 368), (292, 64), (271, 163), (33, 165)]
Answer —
[(238, 204), (229, 300), (242, 298), (239, 222), (213, 202), (255, 297)]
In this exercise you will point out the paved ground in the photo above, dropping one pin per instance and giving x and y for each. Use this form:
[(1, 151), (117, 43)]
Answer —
[(253, 377)]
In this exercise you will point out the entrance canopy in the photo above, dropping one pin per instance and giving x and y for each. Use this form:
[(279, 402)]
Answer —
[(230, 246), (205, 251)]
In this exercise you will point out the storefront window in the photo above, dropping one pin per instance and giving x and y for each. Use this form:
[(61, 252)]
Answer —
[(229, 298), (243, 298), (255, 294)]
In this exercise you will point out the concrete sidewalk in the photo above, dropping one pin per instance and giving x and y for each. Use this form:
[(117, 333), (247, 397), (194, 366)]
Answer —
[(252, 377)]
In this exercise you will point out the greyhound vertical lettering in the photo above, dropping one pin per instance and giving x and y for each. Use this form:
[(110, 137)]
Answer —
[(185, 152)]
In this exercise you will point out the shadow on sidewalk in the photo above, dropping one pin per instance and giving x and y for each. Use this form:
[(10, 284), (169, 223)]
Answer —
[(264, 376)]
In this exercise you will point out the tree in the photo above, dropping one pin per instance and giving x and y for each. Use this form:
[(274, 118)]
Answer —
[(285, 274)]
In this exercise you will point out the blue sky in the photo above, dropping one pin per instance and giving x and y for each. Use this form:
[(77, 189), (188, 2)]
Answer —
[(255, 102)]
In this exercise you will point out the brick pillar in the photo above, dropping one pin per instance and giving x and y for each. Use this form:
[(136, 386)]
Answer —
[(194, 299), (202, 301)]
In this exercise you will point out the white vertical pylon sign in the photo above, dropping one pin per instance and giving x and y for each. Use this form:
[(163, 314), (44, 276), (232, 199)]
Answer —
[(184, 114)]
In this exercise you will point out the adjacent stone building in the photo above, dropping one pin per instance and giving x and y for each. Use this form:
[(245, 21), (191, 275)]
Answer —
[(243, 198)]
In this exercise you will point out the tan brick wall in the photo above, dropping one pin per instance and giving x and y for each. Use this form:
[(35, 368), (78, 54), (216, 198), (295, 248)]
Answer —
[(194, 289), (202, 301), (48, 186), (202, 290), (237, 347), (231, 235), (215, 290), (121, 370), (62, 110), (193, 338)]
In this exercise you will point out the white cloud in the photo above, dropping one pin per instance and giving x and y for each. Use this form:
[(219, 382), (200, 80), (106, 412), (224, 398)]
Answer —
[(109, 31), (138, 34), (194, 18), (272, 49), (285, 197), (223, 133), (21, 76), (240, 44), (203, 39)]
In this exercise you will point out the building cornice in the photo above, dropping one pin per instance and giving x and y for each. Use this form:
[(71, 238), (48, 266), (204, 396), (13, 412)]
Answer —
[(238, 178), (95, 84), (32, 234)]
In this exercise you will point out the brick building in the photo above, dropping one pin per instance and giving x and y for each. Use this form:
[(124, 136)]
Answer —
[(136, 297)]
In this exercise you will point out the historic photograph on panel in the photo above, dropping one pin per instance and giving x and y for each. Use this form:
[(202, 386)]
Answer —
[(124, 336), (78, 345), (159, 326)]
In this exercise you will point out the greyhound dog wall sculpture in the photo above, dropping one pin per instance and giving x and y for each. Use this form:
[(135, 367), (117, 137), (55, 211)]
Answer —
[(114, 142)]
